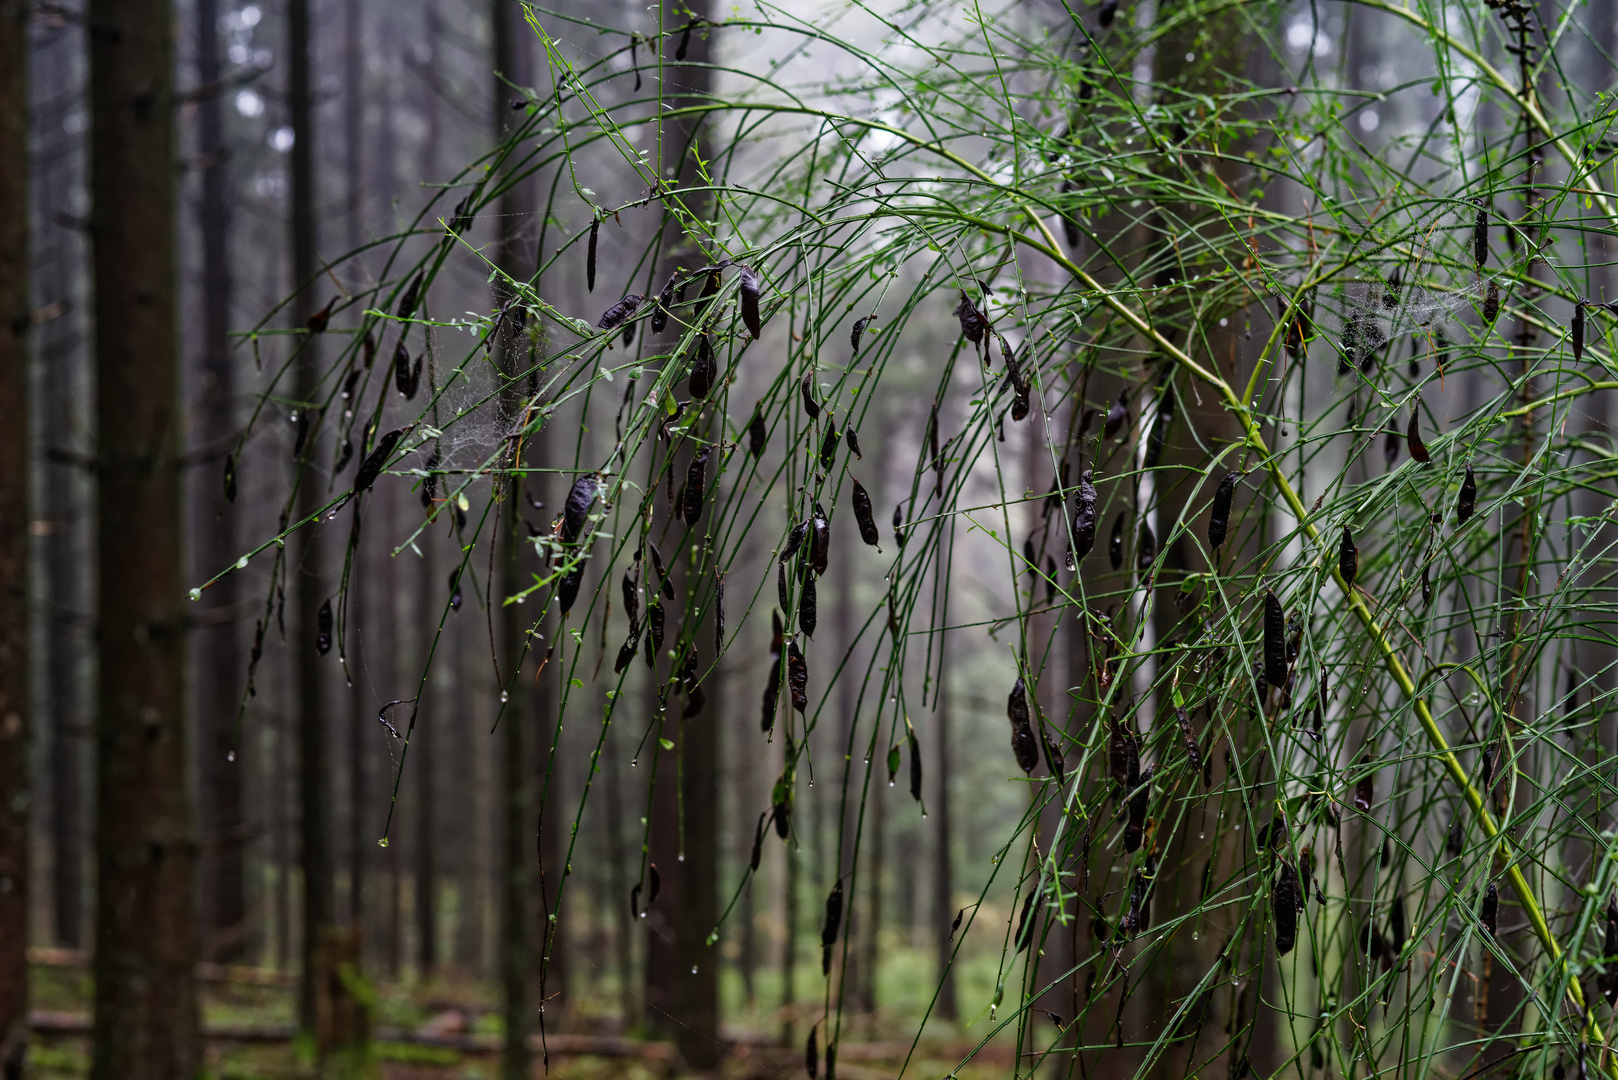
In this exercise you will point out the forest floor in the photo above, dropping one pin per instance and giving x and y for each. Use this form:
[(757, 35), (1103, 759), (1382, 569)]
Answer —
[(449, 1030)]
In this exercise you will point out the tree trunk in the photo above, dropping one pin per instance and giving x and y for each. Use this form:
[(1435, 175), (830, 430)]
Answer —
[(146, 1023), (15, 320), (215, 649), (314, 833)]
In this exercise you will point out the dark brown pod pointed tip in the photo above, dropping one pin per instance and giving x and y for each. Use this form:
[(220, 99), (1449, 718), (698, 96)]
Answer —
[(1466, 501), (865, 517), (750, 283), (1576, 332), (807, 389), (1417, 448), (1219, 517), (757, 434), (1348, 558)]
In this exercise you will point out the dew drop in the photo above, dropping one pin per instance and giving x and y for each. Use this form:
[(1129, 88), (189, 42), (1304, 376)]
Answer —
[(504, 696), (890, 783), (924, 815), (241, 563), (633, 762), (680, 857), (231, 756), (196, 594), (382, 842), (693, 969), (521, 598)]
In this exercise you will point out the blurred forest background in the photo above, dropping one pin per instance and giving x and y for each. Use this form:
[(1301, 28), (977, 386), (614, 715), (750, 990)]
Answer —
[(296, 894)]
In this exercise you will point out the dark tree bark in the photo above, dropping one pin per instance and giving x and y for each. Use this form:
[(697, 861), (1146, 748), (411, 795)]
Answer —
[(15, 320), (314, 825), (216, 648), (146, 1025)]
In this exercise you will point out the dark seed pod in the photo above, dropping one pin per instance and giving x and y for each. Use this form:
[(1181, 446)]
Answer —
[(1480, 237), (628, 334), (323, 628), (665, 301), (819, 540), (1055, 763), (1219, 518), (628, 651), (811, 1052), (695, 482), (376, 460), (828, 443), (757, 433), (631, 591), (710, 289), (1467, 501), (1145, 547), (577, 510), (1491, 304), (1123, 756), (664, 584), (832, 924), (807, 389), (915, 763), (634, 901), (772, 694), (750, 282), (1275, 644), (1348, 558), (1396, 925), (1284, 902), (704, 369), (1489, 909), (1417, 448), (1455, 842), (620, 312), (858, 332), (898, 525), (1104, 16), (1426, 584), (679, 54), (568, 591), (407, 302), (1305, 870), (1192, 752), (783, 817), (1117, 414), (1364, 787), (230, 477), (797, 677), (1577, 331), (864, 517), (807, 610), (406, 376), (973, 324), (1025, 924), (758, 842), (590, 258), (781, 593), (1115, 544), (654, 631), (794, 541), (1139, 799), (1023, 743), (1084, 518), (853, 439)]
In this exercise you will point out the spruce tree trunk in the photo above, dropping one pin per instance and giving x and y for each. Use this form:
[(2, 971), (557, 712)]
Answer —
[(145, 993), (216, 648), (15, 319)]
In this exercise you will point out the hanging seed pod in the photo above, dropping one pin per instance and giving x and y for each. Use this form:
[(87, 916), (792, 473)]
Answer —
[(807, 389), (1050, 579), (407, 302), (628, 334), (368, 350), (628, 651), (695, 481), (781, 593), (1104, 15), (853, 439), (1146, 547), (1577, 331), (1417, 448), (620, 312), (1348, 559), (1364, 788), (1084, 518), (1455, 842), (915, 762), (631, 591), (230, 477), (376, 460), (590, 257), (749, 283), (973, 324), (1025, 923), (893, 763), (1426, 584), (1489, 909), (797, 677), (1467, 501), (1396, 926), (704, 369), (568, 591), (757, 433), (1487, 782), (1275, 645), (1480, 236), (1123, 757), (828, 443), (811, 1052), (794, 541), (679, 54), (664, 584), (858, 332), (1023, 743), (807, 606), (1192, 752), (772, 694), (654, 631), (819, 540), (758, 842), (405, 375), (1055, 763), (665, 300), (783, 812), (323, 628), (1115, 543), (864, 517), (898, 525), (455, 589), (1139, 799), (1491, 304), (1284, 902), (577, 509), (832, 924), (1219, 518), (1117, 414)]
